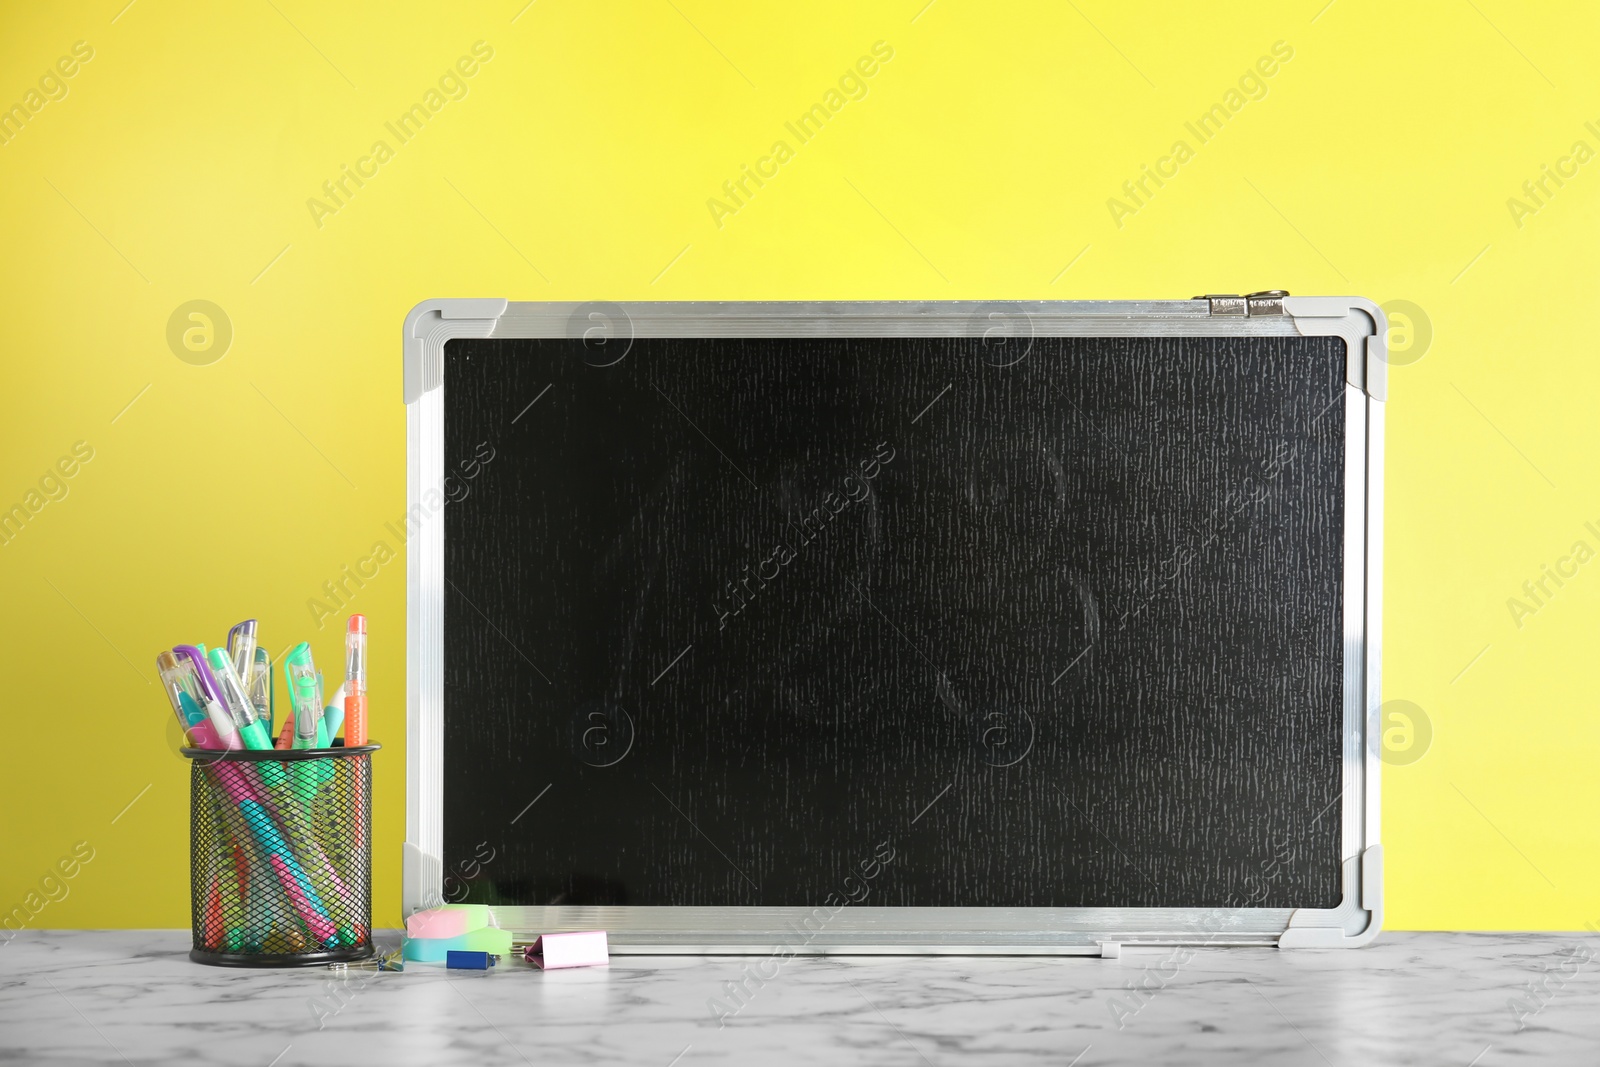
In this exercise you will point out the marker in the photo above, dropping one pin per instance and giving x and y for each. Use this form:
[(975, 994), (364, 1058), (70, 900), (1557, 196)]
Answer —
[(305, 697), (240, 709), (355, 681), (221, 721), (183, 690)]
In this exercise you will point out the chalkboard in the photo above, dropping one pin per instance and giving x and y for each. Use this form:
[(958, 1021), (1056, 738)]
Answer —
[(729, 620)]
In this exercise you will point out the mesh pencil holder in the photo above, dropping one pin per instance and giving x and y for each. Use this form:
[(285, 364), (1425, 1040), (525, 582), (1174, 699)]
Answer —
[(280, 856)]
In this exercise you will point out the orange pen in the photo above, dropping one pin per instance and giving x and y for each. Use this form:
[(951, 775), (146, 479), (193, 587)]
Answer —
[(355, 681)]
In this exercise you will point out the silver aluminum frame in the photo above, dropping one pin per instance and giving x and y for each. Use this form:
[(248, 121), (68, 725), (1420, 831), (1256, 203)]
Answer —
[(908, 931)]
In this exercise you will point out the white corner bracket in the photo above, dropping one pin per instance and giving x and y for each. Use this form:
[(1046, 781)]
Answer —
[(1361, 323), (433, 322), (1356, 921)]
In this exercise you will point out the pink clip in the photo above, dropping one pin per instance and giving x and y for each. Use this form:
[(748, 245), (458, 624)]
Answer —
[(585, 949)]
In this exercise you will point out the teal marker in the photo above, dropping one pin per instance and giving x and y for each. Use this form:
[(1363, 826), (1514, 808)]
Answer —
[(305, 701), (305, 697)]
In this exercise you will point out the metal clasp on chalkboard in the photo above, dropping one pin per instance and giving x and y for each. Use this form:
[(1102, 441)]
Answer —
[(1266, 302)]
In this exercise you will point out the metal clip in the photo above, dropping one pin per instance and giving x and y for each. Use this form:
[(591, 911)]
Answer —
[(1265, 302), (386, 961)]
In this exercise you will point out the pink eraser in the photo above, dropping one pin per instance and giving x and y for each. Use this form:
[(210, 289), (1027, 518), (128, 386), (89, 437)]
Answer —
[(440, 922), (582, 949)]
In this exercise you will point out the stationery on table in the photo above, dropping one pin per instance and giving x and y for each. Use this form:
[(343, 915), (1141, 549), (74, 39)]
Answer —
[(459, 935), (432, 935), (271, 878), (275, 876)]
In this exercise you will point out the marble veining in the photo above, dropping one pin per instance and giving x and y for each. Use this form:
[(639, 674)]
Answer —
[(133, 997)]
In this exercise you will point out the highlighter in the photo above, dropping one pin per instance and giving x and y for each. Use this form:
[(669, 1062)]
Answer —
[(305, 697), (240, 709)]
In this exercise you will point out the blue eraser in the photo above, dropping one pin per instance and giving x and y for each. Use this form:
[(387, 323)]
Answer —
[(463, 960)]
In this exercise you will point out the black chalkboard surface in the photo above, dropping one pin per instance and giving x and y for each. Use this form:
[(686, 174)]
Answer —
[(742, 613)]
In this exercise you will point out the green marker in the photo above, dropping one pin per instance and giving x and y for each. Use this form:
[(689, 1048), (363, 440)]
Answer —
[(305, 697)]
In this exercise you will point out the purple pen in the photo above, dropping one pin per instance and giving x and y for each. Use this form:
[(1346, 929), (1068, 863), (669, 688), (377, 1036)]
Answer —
[(221, 722)]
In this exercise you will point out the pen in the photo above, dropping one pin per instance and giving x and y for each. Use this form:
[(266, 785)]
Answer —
[(221, 721), (355, 698), (260, 687), (242, 649), (178, 679), (254, 667), (355, 681), (239, 706)]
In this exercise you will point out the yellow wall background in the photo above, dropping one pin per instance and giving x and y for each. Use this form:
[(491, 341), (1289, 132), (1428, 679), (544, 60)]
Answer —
[(578, 165)]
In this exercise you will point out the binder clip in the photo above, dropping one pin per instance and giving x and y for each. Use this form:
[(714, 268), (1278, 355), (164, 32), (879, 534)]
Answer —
[(466, 960), (581, 949)]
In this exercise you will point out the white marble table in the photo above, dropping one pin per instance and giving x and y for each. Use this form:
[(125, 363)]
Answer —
[(133, 997)]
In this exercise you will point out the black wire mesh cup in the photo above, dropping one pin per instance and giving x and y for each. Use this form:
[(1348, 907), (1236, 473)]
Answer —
[(280, 856)]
